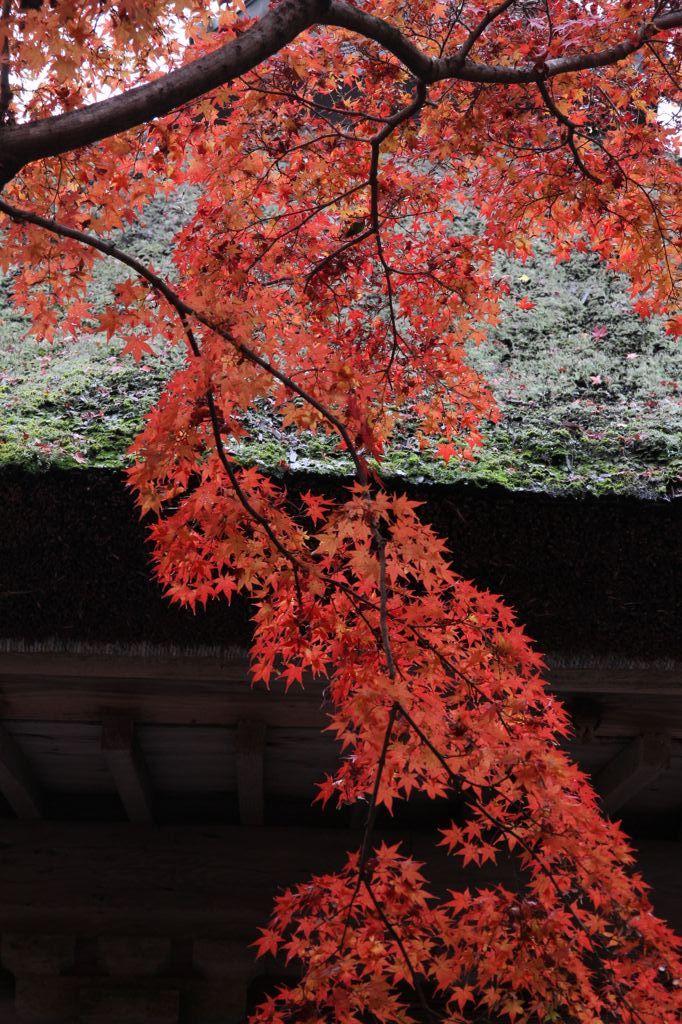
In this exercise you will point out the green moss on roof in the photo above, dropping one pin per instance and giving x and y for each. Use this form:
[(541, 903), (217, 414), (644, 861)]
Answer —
[(590, 393)]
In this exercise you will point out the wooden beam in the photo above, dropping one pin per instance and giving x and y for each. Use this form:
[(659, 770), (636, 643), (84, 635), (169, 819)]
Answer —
[(198, 690), (134, 661), (639, 763), (205, 689), (626, 682), (127, 767), (17, 783), (250, 758), (189, 881)]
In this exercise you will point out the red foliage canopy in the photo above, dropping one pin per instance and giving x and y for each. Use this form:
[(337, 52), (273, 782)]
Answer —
[(334, 270)]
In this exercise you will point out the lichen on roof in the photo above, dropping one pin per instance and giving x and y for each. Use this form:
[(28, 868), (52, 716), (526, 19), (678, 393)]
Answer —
[(590, 393)]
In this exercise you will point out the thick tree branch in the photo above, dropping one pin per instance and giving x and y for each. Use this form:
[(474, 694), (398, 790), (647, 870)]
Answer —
[(21, 144), (60, 134)]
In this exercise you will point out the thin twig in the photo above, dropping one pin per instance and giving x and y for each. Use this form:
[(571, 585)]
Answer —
[(369, 824), (572, 129), (465, 49), (383, 598), (393, 932)]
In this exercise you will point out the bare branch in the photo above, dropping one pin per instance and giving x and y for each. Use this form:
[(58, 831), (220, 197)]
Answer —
[(389, 126), (383, 607), (369, 826)]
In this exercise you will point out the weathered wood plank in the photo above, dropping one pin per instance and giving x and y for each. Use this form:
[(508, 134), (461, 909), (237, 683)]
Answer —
[(121, 1006), (162, 701), (646, 681), (623, 715), (126, 879), (65, 757), (231, 665), (296, 759), (189, 759)]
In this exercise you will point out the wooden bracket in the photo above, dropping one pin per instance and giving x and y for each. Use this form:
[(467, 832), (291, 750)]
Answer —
[(250, 759), (17, 783), (641, 761), (125, 762)]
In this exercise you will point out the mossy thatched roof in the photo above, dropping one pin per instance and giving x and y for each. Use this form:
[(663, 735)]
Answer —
[(588, 390)]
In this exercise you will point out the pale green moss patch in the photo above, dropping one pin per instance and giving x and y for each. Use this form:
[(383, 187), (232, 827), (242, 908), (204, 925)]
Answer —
[(72, 404), (79, 403), (590, 393)]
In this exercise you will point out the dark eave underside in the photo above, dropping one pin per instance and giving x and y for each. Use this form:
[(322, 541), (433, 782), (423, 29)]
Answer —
[(587, 576)]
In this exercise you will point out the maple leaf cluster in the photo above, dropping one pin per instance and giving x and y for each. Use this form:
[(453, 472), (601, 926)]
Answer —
[(353, 189)]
